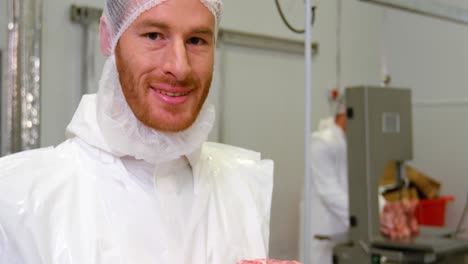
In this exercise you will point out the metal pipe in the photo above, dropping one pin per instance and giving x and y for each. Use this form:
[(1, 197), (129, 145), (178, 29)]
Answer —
[(339, 86), (88, 60), (88, 18), (2, 103), (11, 76), (429, 8), (23, 76), (308, 116), (84, 61), (232, 37)]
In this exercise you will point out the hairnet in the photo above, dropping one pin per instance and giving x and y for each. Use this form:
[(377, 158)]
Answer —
[(340, 106), (120, 14), (337, 105)]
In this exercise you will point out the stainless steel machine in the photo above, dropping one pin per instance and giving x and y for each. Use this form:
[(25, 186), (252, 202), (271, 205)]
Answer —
[(379, 131)]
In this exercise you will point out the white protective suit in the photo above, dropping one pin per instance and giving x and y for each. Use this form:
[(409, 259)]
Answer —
[(329, 190), (117, 192)]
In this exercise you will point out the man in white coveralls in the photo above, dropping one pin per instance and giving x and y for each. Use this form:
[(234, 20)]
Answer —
[(135, 181), (329, 188)]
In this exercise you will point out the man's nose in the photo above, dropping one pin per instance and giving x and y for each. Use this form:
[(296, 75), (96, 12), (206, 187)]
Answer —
[(177, 61)]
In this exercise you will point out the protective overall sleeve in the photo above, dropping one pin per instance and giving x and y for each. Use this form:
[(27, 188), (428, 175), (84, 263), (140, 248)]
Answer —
[(3, 242), (7, 253), (324, 180)]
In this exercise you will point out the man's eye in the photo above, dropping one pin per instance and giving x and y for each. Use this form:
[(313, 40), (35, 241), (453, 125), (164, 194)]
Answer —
[(196, 41), (153, 35)]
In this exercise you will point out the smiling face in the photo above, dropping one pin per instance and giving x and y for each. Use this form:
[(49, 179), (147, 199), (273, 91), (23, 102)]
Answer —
[(165, 63)]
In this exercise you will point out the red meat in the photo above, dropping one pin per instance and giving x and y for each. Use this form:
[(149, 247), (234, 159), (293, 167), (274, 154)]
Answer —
[(397, 220)]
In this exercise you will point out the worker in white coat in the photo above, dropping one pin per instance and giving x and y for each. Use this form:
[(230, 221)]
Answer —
[(329, 190), (135, 181)]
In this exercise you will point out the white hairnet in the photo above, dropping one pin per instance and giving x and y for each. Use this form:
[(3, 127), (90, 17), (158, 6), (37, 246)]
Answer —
[(120, 14), (337, 106), (340, 107)]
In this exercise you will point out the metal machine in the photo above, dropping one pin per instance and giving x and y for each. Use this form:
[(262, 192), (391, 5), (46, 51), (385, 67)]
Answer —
[(379, 131)]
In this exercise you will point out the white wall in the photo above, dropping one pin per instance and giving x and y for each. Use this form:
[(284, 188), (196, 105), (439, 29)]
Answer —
[(61, 68), (264, 110), (261, 17), (430, 57)]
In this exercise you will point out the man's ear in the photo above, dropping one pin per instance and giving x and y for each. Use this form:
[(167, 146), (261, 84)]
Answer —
[(105, 37)]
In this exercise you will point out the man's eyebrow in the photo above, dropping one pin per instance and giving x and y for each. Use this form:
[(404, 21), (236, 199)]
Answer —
[(157, 24), (203, 31)]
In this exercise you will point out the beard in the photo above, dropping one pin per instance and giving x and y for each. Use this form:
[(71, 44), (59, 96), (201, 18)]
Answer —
[(127, 135), (162, 117)]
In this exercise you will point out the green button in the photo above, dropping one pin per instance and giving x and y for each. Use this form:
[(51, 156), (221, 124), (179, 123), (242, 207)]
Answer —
[(375, 260)]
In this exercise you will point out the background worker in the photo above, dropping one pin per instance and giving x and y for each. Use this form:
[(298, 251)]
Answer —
[(329, 190)]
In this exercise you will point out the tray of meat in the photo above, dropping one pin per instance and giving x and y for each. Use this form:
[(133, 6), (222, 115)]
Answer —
[(268, 261)]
